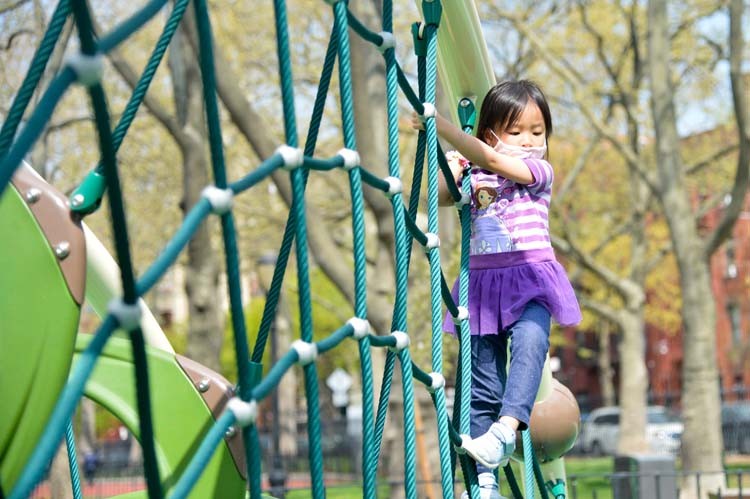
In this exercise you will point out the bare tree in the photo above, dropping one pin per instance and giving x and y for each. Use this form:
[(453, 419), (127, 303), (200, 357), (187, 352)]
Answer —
[(187, 129), (702, 442), (206, 319)]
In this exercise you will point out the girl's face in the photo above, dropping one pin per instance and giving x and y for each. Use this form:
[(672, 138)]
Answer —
[(527, 131)]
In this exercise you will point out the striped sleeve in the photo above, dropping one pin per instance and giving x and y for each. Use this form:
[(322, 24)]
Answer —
[(543, 175)]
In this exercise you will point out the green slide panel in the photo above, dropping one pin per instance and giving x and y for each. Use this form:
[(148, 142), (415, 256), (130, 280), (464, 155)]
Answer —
[(38, 323), (463, 61), (181, 417)]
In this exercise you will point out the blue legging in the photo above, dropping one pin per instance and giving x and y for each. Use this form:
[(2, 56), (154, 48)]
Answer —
[(495, 393)]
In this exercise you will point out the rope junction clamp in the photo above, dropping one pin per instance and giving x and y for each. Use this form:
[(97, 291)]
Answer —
[(293, 157), (88, 68), (307, 352), (433, 241), (244, 412), (465, 199), (463, 314), (429, 111), (219, 199), (389, 41), (351, 158), (394, 186), (402, 341), (361, 327), (128, 315), (438, 382), (461, 449)]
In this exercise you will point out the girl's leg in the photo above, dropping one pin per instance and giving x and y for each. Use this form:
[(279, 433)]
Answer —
[(529, 342), (488, 364)]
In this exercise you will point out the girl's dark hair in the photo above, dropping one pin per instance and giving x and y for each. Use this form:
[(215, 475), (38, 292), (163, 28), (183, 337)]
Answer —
[(505, 102)]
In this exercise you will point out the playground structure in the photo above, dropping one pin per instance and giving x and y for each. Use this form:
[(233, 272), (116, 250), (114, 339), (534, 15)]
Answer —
[(54, 263)]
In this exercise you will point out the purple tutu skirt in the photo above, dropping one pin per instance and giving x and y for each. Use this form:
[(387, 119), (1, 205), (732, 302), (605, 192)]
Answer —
[(501, 284)]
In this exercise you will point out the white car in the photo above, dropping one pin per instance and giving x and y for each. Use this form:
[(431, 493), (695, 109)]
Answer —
[(602, 429)]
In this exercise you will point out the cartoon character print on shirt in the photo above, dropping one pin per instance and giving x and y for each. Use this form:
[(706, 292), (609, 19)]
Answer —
[(489, 233)]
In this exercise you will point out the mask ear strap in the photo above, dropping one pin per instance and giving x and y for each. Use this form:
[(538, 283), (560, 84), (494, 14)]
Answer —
[(497, 139)]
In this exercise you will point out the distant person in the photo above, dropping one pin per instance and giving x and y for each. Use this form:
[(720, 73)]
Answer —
[(90, 463), (516, 284)]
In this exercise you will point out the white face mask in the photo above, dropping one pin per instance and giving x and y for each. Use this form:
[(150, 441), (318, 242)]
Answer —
[(518, 151)]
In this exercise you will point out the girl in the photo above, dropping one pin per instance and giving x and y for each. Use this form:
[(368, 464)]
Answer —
[(515, 289)]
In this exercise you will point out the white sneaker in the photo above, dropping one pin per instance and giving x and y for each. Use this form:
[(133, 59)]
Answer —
[(494, 448), (487, 487)]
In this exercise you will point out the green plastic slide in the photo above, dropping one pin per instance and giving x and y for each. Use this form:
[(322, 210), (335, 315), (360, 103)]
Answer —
[(38, 322), (181, 417), (46, 257)]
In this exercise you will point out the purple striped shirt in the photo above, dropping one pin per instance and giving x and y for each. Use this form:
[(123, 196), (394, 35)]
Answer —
[(507, 216)]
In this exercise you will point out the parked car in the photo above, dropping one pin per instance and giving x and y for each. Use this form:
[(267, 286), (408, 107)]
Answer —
[(602, 429), (735, 426)]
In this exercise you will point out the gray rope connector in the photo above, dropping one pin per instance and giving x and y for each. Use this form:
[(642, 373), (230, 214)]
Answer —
[(433, 241), (351, 158), (394, 186), (361, 327), (128, 315), (402, 341), (461, 449), (244, 412), (465, 199), (438, 382), (307, 352), (463, 314), (389, 41), (429, 111), (219, 199), (88, 68), (293, 157)]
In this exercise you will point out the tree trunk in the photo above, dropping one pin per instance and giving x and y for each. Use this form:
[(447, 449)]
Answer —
[(633, 386), (702, 439), (604, 363), (633, 371), (205, 320)]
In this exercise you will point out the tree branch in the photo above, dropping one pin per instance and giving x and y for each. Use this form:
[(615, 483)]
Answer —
[(708, 161), (742, 116), (624, 287), (577, 169), (10, 5), (630, 156), (602, 309)]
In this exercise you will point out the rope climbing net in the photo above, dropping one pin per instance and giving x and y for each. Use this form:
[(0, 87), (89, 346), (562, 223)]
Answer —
[(85, 68)]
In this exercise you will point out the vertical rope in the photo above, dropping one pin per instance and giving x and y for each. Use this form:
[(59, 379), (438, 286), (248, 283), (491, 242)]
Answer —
[(434, 256), (208, 76), (120, 232), (75, 478), (369, 466), (305, 305), (528, 467)]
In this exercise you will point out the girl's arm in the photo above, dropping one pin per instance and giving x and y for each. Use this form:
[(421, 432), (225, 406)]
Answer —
[(483, 155)]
